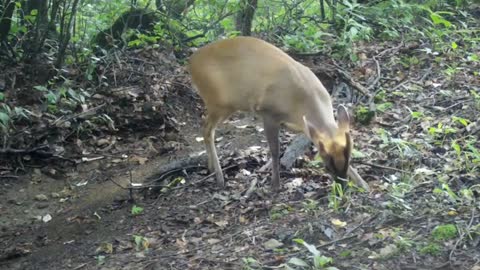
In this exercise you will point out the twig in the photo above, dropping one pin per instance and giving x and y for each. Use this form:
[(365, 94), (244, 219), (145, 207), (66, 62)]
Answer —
[(353, 174), (379, 74), (172, 171), (429, 70), (401, 84), (462, 236), (336, 241), (9, 176), (60, 121), (390, 50), (363, 223), (381, 166)]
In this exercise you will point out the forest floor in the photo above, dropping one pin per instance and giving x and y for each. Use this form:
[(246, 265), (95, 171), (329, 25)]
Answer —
[(422, 212)]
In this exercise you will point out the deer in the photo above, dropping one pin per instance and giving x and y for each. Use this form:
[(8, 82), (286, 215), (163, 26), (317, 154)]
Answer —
[(252, 75)]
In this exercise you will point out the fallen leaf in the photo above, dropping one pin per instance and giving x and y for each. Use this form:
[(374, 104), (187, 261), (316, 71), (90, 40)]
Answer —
[(212, 241), (104, 248), (339, 223), (272, 244), (388, 250)]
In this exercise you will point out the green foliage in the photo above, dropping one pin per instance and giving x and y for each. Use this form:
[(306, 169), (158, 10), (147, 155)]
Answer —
[(363, 115), (280, 210), (444, 232), (141, 243), (250, 263), (320, 262), (137, 210), (310, 205), (9, 116), (336, 196), (384, 106), (431, 249)]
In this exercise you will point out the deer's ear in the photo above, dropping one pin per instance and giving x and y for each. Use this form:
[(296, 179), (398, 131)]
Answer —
[(343, 119), (316, 136)]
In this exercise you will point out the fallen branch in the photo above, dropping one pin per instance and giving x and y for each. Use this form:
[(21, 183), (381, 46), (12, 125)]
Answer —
[(40, 151), (90, 112)]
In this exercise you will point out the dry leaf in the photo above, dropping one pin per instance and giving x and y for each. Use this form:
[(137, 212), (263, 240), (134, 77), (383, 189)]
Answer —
[(339, 223)]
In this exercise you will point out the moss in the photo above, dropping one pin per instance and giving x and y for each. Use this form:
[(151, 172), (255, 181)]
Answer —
[(431, 249), (444, 232)]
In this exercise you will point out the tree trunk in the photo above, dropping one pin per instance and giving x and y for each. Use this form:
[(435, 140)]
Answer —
[(65, 33), (37, 29), (245, 17), (6, 13), (322, 9)]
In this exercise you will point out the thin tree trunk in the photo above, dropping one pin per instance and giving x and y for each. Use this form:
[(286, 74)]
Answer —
[(65, 35), (6, 13), (322, 9), (245, 17)]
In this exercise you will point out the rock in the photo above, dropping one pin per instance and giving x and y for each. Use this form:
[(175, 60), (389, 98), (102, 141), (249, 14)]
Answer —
[(42, 205), (41, 197)]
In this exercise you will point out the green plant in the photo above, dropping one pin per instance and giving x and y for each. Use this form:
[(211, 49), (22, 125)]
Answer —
[(320, 262), (476, 98), (100, 259), (250, 263), (137, 210), (416, 115), (445, 189), (384, 106), (279, 211), (431, 249), (8, 116), (363, 115), (310, 205), (336, 195), (440, 132), (404, 244), (141, 243)]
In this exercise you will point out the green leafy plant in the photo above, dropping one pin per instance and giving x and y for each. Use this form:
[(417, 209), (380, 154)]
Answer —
[(250, 263), (336, 196), (279, 211), (320, 262), (8, 116), (141, 243), (431, 249), (137, 210), (363, 115)]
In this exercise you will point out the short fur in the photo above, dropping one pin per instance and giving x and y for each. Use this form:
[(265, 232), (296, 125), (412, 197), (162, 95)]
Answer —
[(249, 74)]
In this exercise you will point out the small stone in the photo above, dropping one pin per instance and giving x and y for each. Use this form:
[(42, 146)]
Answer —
[(42, 205), (103, 142), (41, 197), (55, 195)]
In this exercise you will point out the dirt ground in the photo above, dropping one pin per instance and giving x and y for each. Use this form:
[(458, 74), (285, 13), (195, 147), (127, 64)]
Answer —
[(85, 220)]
